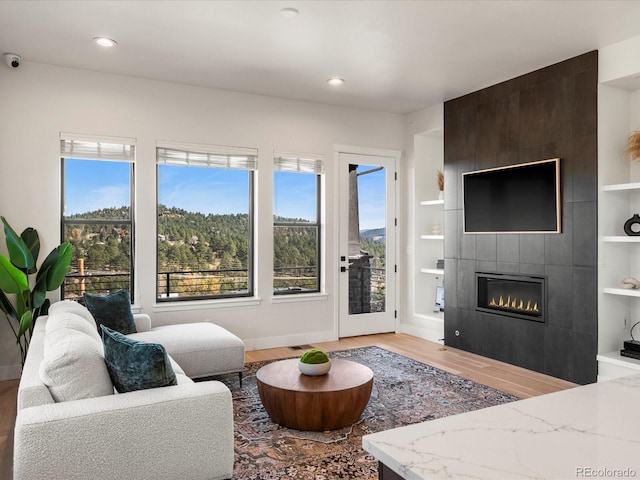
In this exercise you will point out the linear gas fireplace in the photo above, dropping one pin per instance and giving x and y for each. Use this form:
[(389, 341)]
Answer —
[(519, 296)]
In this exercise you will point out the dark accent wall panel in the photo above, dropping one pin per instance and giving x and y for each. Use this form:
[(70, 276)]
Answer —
[(549, 113)]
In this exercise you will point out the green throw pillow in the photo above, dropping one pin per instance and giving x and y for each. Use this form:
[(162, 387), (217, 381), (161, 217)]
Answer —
[(112, 310), (135, 365)]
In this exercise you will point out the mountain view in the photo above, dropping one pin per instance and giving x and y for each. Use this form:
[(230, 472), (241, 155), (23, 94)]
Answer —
[(198, 254)]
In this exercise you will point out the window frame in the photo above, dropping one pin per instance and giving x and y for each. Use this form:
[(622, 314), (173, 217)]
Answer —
[(64, 221), (305, 165), (212, 150)]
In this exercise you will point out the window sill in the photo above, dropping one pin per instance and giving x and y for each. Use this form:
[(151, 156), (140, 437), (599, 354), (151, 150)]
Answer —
[(206, 304), (300, 297)]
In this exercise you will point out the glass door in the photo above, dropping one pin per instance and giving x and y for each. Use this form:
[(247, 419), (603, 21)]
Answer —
[(367, 245)]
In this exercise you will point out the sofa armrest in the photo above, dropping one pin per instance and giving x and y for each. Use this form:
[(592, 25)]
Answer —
[(182, 431), (143, 322)]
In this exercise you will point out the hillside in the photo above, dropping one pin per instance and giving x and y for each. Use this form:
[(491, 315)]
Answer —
[(187, 241), (198, 254)]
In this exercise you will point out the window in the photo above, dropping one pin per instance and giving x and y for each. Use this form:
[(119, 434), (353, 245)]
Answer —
[(97, 214), (296, 224), (205, 222)]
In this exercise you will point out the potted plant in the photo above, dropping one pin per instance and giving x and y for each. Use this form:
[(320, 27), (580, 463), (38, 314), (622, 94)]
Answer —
[(23, 298), (314, 362)]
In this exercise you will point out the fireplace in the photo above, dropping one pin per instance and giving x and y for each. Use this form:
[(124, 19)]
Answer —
[(519, 296)]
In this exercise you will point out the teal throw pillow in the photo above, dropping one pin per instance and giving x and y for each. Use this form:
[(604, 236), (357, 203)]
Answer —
[(135, 365), (112, 310)]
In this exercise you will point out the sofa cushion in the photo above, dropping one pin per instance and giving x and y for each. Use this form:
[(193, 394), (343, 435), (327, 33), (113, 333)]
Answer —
[(72, 307), (58, 323), (73, 367), (135, 365), (112, 310)]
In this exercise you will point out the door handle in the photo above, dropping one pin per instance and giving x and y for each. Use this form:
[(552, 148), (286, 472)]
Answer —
[(343, 269)]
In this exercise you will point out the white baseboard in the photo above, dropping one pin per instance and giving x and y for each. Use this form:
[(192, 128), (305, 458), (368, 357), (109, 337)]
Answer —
[(289, 340), (9, 372)]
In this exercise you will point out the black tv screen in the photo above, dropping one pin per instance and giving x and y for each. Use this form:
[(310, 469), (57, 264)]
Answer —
[(522, 198)]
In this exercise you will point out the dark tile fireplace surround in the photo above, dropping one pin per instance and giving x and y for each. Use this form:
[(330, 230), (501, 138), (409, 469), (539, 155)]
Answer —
[(548, 113)]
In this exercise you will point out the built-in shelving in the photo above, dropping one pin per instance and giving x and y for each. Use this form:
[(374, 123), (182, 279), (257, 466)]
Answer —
[(627, 292), (621, 186), (433, 271), (618, 199), (432, 318), (621, 239), (613, 365), (425, 320)]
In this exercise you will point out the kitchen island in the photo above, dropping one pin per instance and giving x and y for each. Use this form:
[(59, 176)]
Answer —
[(591, 431)]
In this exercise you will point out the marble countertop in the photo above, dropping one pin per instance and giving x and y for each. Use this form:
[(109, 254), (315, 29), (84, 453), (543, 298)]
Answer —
[(592, 431)]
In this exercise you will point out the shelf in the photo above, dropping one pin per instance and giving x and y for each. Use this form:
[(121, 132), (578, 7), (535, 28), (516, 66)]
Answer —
[(434, 271), (615, 358), (621, 239), (621, 186), (432, 202), (432, 237), (432, 318), (627, 292)]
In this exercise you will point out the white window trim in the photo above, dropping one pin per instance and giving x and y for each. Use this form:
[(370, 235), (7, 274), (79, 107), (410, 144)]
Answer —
[(208, 304)]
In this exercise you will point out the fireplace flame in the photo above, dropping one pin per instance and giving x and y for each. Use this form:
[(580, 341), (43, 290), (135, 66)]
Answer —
[(517, 304)]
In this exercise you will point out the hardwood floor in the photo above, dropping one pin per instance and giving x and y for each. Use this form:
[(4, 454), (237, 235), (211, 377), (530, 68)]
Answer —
[(8, 390), (508, 378)]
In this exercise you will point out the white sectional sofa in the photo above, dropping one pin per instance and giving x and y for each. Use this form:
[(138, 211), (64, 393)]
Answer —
[(72, 425)]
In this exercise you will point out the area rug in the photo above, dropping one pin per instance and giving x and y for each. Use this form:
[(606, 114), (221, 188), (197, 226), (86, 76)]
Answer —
[(404, 392)]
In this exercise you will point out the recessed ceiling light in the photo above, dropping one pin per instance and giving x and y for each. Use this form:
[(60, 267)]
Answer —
[(335, 81), (289, 12), (105, 42)]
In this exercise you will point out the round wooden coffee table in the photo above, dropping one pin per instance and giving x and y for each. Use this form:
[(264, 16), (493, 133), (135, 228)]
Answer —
[(325, 402)]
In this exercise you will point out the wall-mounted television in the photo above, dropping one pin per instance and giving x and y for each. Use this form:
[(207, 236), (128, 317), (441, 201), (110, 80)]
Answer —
[(523, 198)]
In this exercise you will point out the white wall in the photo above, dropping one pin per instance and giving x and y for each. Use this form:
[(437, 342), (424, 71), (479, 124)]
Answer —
[(37, 102)]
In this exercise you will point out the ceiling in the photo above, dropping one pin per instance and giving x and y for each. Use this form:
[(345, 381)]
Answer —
[(395, 56)]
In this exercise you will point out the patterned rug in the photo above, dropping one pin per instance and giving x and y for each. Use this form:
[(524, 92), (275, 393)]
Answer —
[(405, 391)]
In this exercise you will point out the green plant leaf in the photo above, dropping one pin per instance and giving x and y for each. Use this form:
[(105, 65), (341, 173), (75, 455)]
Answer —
[(43, 310), (23, 300), (12, 280), (7, 307), (19, 253), (39, 293), (55, 266), (25, 323), (32, 240)]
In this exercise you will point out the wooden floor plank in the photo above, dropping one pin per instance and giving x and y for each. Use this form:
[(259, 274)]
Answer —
[(507, 378)]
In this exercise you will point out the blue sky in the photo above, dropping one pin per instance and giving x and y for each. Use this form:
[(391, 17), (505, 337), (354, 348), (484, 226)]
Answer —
[(371, 198), (294, 195), (204, 190), (92, 185)]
